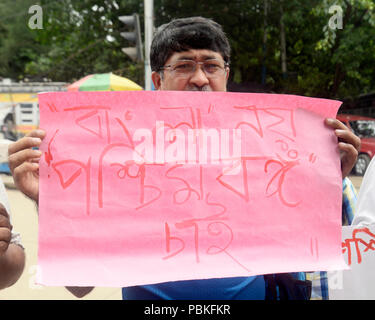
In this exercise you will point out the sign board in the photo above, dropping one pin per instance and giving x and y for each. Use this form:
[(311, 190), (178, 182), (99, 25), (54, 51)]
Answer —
[(357, 283), (147, 187)]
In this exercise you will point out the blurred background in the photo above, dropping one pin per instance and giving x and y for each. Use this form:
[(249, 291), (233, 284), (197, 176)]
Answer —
[(316, 48), (320, 48)]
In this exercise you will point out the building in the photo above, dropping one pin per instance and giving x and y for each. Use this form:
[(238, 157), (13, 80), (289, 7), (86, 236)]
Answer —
[(363, 105), (19, 110)]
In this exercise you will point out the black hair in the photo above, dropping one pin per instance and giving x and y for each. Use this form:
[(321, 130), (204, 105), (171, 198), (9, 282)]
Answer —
[(184, 34)]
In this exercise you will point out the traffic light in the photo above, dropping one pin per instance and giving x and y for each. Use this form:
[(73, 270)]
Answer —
[(135, 53)]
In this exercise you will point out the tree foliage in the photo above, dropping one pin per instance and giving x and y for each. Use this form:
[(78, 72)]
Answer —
[(80, 37), (18, 45)]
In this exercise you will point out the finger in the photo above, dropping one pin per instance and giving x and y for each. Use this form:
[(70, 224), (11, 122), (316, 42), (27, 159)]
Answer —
[(348, 158), (348, 137), (18, 145), (3, 247), (4, 218), (25, 181), (21, 172), (335, 124), (3, 211), (25, 168), (348, 149), (24, 143), (5, 223), (22, 156), (5, 235), (38, 133)]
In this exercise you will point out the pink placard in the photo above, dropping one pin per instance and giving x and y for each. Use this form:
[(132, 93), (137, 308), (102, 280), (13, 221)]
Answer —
[(358, 249), (147, 187)]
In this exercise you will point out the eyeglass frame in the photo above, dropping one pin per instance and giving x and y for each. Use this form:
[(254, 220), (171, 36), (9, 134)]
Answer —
[(208, 75)]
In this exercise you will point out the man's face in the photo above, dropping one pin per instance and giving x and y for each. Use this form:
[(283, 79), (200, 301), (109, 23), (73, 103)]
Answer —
[(199, 79)]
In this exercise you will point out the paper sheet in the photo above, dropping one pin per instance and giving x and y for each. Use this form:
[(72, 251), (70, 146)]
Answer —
[(147, 187)]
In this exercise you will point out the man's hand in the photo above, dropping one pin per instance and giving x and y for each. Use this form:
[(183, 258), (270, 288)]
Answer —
[(23, 163), (12, 256), (5, 230), (349, 145)]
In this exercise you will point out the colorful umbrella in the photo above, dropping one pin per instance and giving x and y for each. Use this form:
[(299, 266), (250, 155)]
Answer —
[(103, 82)]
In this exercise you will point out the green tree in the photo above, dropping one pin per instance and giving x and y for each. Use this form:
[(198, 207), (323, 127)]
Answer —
[(83, 37), (18, 43), (292, 42), (350, 51)]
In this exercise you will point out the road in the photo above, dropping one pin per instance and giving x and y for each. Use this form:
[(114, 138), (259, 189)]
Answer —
[(25, 221)]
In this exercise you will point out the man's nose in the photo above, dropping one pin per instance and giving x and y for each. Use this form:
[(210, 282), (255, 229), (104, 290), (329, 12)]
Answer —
[(199, 78)]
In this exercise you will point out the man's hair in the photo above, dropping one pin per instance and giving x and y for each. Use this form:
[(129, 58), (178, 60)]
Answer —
[(185, 34)]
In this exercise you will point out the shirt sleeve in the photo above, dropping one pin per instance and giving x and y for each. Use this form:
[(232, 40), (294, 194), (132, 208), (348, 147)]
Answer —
[(365, 208), (349, 201), (16, 237)]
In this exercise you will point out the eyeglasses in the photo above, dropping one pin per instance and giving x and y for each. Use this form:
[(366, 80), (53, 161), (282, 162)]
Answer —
[(185, 68)]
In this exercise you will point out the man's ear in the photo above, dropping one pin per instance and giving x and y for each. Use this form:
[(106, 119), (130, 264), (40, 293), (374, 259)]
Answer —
[(226, 78), (156, 79)]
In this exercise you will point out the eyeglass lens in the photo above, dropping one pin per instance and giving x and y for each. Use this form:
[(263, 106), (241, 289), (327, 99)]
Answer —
[(211, 68)]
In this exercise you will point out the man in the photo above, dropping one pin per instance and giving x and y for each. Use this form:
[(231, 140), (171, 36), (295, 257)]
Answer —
[(186, 54), (12, 256)]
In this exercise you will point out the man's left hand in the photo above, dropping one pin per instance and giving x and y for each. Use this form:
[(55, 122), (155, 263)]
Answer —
[(349, 145)]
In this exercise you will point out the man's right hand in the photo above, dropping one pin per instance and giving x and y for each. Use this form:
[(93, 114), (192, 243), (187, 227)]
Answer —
[(24, 163)]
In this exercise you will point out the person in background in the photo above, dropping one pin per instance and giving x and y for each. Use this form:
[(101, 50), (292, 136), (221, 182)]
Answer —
[(188, 54), (365, 208)]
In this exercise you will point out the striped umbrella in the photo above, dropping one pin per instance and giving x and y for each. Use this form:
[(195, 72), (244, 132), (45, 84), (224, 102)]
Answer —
[(103, 82)]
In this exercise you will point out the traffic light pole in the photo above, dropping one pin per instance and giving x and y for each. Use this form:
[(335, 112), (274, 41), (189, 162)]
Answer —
[(149, 29), (134, 36)]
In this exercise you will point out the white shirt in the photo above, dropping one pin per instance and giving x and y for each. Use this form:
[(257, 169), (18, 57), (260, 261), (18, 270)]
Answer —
[(365, 208)]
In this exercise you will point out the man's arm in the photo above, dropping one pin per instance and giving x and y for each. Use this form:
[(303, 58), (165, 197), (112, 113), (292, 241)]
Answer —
[(12, 256)]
